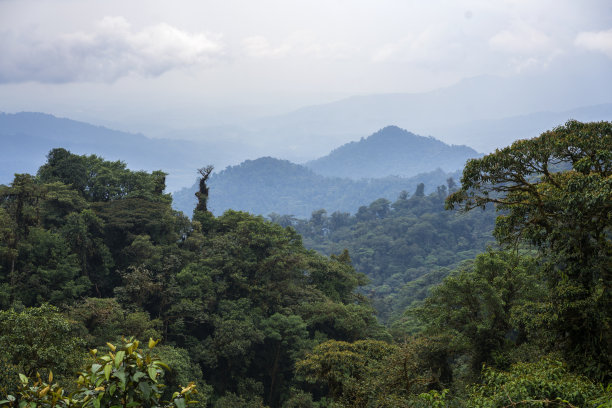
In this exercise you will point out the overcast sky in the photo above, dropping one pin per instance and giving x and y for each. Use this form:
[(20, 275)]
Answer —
[(118, 60)]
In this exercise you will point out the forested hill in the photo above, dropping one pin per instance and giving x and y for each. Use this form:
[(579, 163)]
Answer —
[(92, 256), (269, 185), (237, 300), (392, 151), (403, 246)]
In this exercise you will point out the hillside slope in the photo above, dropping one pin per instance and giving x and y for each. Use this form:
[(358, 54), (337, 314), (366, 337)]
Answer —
[(269, 185), (391, 151)]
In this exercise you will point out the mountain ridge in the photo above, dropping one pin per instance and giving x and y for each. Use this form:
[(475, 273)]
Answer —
[(392, 151), (354, 174)]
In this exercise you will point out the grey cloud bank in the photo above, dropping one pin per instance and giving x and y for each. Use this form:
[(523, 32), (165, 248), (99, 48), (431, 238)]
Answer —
[(110, 50)]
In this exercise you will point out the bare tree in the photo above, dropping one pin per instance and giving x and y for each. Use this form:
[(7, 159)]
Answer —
[(202, 194)]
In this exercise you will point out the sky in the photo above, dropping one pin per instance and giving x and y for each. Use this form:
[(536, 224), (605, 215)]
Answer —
[(185, 64)]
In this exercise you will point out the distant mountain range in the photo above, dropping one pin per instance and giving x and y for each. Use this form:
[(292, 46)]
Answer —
[(354, 174), (380, 166), (484, 112), (269, 185), (27, 137), (391, 152)]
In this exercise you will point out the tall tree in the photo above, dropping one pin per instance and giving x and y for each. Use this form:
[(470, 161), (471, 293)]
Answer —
[(555, 192), (202, 193)]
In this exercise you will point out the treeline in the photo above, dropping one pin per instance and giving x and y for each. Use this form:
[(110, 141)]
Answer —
[(91, 251), (411, 241)]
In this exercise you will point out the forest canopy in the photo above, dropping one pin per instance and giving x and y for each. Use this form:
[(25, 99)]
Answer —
[(93, 257)]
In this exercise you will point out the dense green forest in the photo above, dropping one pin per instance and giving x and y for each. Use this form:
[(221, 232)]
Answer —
[(403, 247), (93, 259)]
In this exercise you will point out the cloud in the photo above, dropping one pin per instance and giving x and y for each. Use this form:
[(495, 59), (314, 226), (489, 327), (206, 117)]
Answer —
[(111, 50), (521, 40), (525, 47), (296, 44), (600, 41), (436, 45), (259, 47)]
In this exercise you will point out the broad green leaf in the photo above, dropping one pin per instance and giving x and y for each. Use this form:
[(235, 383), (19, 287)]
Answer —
[(152, 372), (120, 374), (119, 358), (107, 371), (179, 402)]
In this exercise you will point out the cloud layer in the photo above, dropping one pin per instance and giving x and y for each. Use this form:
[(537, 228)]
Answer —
[(110, 50), (600, 41)]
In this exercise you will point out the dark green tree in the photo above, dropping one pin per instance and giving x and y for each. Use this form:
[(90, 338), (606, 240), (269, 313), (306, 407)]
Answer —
[(40, 338), (555, 191)]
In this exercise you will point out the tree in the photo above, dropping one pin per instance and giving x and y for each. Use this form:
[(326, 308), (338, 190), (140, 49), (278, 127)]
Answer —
[(371, 373), (544, 383), (40, 338), (126, 376), (202, 193), (344, 367), (70, 169), (420, 190), (475, 307), (555, 191)]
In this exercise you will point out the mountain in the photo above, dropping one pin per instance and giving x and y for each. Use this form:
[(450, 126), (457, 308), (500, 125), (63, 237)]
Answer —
[(269, 185), (487, 135), (391, 151), (27, 137), (314, 130)]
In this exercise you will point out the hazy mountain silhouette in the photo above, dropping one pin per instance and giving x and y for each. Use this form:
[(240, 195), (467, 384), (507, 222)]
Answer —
[(27, 137), (268, 185), (391, 152)]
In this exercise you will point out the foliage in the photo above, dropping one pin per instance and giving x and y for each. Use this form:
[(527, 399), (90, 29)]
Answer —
[(373, 373), (9, 376), (38, 339), (255, 319), (394, 244), (100, 180), (103, 319), (556, 190), (247, 308), (125, 377), (545, 383), (476, 305), (342, 366)]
